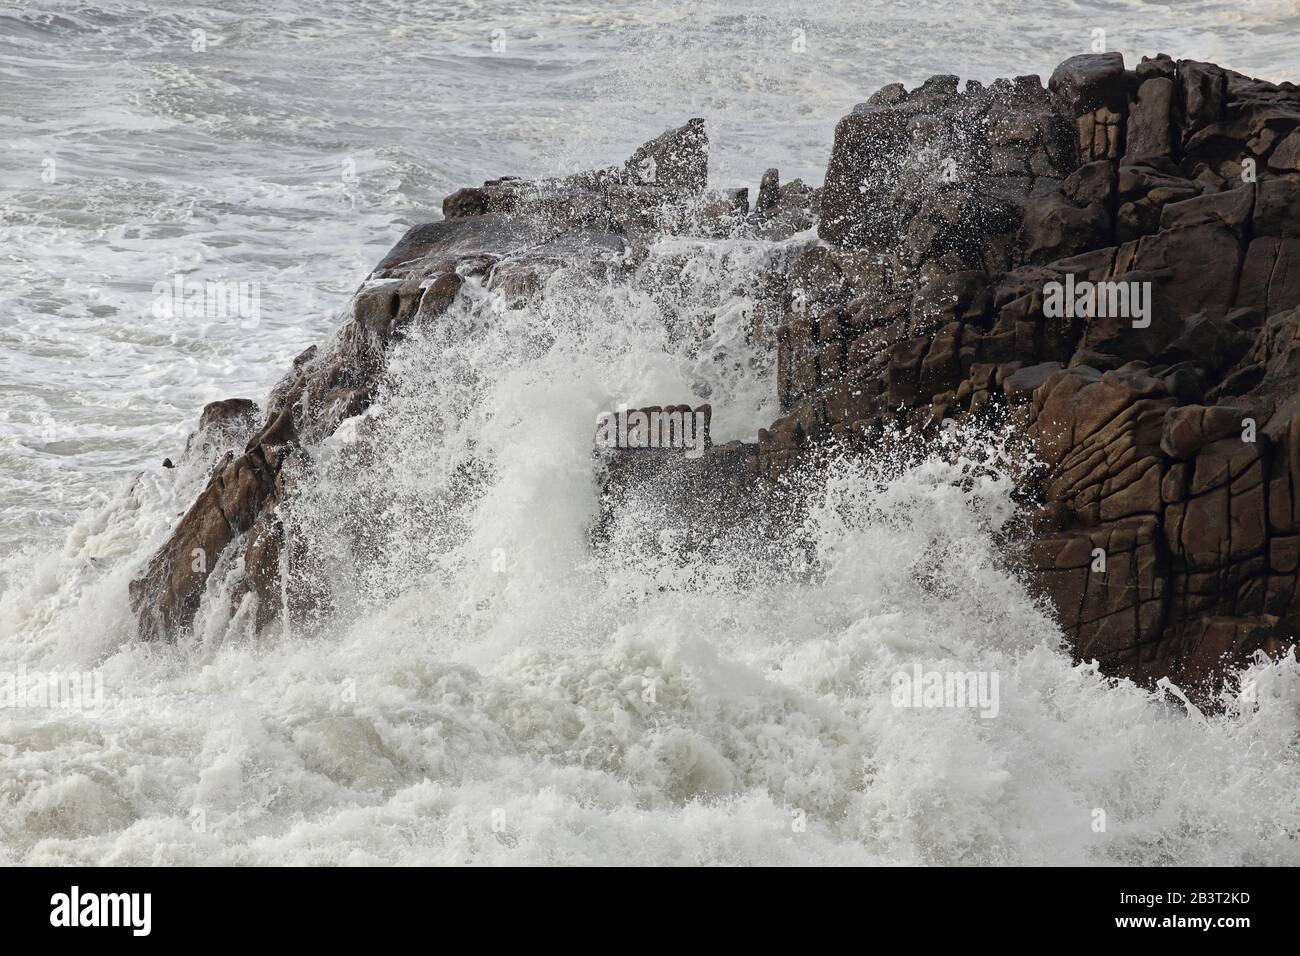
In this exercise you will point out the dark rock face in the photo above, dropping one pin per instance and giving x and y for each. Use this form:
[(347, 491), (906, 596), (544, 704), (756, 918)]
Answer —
[(1167, 534), (1161, 204), (222, 425), (641, 454), (677, 159), (940, 176)]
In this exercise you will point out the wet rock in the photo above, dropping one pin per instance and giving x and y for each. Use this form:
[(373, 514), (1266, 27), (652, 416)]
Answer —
[(658, 467), (1188, 429), (1166, 444), (1204, 88), (1213, 343), (166, 596), (510, 236), (1150, 121), (769, 191), (1163, 463), (1091, 80), (1091, 89), (1285, 157), (465, 202), (1021, 384), (677, 159), (231, 415), (1072, 218)]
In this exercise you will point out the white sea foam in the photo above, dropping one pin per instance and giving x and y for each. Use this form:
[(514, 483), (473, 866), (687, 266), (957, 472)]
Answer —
[(491, 690)]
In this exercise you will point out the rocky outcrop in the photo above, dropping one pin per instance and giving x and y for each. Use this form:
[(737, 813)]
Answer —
[(1110, 261), (1166, 537), (509, 234)]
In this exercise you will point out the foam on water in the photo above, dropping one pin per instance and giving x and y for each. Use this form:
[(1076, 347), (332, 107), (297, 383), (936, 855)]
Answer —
[(491, 690), (296, 146)]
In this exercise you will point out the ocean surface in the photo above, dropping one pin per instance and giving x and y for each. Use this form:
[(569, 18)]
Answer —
[(494, 692)]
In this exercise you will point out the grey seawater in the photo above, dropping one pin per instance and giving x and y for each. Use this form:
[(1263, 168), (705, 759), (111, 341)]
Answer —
[(300, 141), (466, 710)]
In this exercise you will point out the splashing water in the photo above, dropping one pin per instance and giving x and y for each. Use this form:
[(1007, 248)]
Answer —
[(305, 136), (491, 690)]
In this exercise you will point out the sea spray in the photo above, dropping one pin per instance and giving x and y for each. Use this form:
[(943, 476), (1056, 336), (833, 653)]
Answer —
[(487, 689)]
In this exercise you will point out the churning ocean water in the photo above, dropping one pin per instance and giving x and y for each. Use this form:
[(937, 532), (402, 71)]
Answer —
[(495, 692)]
